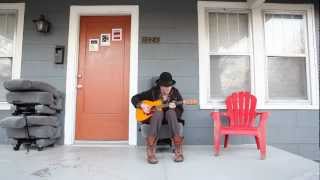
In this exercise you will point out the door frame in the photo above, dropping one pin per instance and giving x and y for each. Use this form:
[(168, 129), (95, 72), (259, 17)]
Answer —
[(72, 63)]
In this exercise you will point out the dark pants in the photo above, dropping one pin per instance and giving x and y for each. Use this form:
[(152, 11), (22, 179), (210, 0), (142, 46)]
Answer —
[(156, 121)]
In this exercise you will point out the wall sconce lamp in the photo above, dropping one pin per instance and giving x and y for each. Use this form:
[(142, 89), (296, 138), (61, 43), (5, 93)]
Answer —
[(42, 25)]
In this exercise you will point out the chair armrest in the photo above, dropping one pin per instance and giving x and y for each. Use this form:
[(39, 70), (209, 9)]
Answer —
[(263, 118)]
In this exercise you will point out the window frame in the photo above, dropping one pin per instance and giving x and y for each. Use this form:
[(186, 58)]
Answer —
[(249, 52), (17, 55), (304, 55), (259, 81)]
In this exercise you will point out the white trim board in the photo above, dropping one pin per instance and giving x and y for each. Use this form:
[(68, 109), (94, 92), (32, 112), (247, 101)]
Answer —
[(72, 63), (17, 56)]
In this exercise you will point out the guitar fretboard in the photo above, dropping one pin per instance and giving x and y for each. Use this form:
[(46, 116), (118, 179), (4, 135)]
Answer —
[(167, 104)]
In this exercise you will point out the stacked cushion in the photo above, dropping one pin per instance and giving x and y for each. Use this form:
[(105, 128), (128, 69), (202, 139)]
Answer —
[(34, 114), (34, 120), (32, 87), (37, 132)]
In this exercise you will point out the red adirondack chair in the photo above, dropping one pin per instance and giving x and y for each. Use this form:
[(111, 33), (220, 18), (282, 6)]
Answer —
[(241, 113)]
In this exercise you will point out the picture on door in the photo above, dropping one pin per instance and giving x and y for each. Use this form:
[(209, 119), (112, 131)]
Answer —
[(93, 45), (105, 39), (117, 34)]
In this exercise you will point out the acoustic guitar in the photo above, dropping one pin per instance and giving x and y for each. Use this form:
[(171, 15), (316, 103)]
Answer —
[(142, 116)]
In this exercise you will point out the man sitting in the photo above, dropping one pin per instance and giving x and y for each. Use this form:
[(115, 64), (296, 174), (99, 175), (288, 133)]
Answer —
[(165, 92)]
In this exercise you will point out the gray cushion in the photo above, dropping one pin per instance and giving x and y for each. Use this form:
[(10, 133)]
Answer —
[(164, 131), (28, 85), (58, 103), (35, 131), (43, 120), (20, 85), (12, 122), (20, 122), (45, 142), (42, 109), (17, 98)]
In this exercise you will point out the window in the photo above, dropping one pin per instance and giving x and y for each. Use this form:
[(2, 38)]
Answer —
[(269, 50), (285, 47), (7, 32), (229, 52), (11, 24)]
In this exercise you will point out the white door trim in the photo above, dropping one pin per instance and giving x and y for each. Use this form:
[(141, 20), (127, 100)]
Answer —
[(72, 63)]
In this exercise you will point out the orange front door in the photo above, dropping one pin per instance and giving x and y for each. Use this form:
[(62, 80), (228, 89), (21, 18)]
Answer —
[(103, 73)]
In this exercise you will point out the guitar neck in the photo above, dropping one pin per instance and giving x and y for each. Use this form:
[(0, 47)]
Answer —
[(167, 104)]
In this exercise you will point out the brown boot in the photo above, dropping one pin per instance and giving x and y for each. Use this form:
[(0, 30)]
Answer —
[(178, 141), (151, 150)]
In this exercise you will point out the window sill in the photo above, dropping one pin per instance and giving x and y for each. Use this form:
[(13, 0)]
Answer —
[(5, 106), (266, 106)]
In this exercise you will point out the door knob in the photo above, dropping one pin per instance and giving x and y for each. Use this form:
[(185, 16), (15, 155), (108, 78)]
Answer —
[(79, 86), (79, 76)]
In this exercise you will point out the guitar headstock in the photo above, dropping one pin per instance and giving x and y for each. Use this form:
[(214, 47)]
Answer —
[(190, 101)]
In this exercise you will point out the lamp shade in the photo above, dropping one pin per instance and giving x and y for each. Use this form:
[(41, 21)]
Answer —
[(41, 24)]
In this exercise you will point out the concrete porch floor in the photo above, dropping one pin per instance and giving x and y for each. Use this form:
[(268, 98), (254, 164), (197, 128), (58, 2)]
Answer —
[(128, 163)]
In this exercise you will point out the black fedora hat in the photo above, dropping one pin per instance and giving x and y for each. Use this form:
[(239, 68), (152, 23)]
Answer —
[(165, 79)]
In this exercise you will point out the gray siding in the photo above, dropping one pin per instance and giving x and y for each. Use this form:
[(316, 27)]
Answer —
[(38, 49), (175, 22), (296, 131)]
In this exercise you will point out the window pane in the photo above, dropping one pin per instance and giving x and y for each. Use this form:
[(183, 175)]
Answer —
[(229, 74), (285, 33), (5, 74), (228, 32), (287, 78), (7, 33)]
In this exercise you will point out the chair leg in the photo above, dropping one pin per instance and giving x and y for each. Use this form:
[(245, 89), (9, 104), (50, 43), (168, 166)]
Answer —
[(226, 140), (263, 146), (216, 144), (257, 142)]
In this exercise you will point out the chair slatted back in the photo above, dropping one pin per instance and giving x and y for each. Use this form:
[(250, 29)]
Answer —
[(241, 109)]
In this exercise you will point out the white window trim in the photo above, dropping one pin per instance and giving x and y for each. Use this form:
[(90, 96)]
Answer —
[(72, 63), (17, 55), (259, 62)]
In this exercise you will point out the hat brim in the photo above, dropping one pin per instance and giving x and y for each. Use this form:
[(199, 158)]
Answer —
[(165, 83)]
